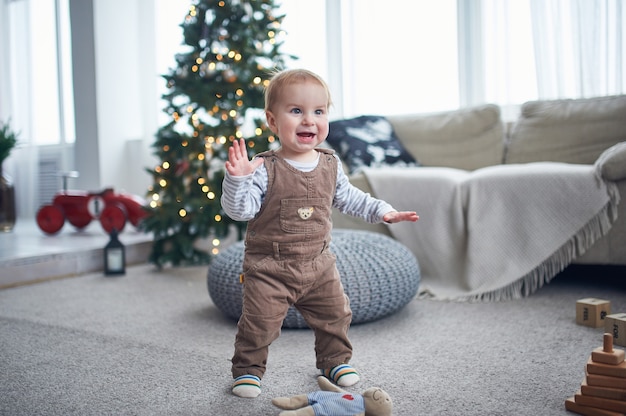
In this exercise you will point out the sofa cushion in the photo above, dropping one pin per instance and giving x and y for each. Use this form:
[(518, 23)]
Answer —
[(468, 138), (612, 163), (367, 141), (570, 131)]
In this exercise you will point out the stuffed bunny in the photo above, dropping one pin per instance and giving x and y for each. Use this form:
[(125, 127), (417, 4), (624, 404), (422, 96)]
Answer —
[(333, 401)]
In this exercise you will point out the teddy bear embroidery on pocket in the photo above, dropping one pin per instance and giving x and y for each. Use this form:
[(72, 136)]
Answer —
[(305, 213)]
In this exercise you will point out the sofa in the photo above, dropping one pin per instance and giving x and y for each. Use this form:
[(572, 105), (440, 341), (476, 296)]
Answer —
[(563, 133)]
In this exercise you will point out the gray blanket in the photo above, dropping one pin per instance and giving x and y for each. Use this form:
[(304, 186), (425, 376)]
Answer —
[(499, 232)]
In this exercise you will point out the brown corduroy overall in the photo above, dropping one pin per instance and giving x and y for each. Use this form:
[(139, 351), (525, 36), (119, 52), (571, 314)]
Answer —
[(288, 261)]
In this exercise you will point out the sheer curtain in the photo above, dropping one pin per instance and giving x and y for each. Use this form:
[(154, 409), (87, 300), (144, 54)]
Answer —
[(15, 103), (512, 51), (424, 56), (399, 56), (579, 46), (507, 57)]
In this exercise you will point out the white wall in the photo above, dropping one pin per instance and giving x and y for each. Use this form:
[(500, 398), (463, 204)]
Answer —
[(114, 85)]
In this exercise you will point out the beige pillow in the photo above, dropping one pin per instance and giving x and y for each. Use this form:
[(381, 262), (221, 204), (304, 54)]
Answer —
[(571, 131), (612, 163), (469, 138)]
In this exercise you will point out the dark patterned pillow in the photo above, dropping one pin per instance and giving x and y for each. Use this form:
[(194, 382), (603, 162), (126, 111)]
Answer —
[(367, 141)]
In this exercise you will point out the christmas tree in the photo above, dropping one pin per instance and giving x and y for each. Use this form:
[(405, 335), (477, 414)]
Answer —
[(214, 96)]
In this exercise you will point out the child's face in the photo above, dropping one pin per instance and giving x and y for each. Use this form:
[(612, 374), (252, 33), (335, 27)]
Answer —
[(300, 119)]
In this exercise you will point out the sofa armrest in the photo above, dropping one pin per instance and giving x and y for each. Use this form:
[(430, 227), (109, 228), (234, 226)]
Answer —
[(611, 164)]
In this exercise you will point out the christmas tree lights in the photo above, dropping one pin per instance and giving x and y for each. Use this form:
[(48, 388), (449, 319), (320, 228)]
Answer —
[(214, 96)]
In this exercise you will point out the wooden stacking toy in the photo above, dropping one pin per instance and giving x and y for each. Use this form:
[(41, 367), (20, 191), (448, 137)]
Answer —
[(603, 391)]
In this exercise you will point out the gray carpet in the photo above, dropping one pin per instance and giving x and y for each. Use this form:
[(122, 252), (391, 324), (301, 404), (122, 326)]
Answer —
[(152, 343)]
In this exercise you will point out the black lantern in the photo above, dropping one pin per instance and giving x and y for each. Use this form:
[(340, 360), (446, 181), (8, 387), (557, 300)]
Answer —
[(114, 256)]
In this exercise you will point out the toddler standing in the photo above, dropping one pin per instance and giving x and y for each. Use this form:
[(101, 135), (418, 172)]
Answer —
[(287, 196)]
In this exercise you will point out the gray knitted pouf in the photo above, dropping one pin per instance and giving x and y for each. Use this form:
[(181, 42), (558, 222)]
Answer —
[(379, 275)]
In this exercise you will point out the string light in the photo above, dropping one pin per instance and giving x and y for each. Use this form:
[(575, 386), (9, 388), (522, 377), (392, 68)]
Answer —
[(216, 244), (202, 126)]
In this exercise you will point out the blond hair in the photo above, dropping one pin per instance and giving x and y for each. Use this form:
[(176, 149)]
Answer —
[(291, 76)]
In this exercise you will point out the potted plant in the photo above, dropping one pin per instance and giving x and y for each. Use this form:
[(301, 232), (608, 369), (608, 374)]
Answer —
[(8, 140)]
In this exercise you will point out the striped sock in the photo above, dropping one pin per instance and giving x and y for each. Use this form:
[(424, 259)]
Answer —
[(248, 386), (343, 375)]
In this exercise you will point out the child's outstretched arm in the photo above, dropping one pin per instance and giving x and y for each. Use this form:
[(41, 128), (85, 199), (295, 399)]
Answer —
[(395, 216), (238, 163)]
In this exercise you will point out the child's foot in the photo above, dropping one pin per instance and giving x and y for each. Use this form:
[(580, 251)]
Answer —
[(343, 375), (247, 386)]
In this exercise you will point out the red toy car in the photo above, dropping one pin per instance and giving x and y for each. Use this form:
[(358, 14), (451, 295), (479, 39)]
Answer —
[(80, 207)]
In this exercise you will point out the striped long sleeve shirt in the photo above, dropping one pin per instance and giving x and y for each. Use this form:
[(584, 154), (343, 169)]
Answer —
[(242, 196)]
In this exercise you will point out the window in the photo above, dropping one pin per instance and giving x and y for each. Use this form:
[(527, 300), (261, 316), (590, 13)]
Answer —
[(392, 57), (40, 56), (399, 56)]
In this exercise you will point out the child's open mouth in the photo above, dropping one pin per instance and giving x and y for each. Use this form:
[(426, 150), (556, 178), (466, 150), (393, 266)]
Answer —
[(306, 136)]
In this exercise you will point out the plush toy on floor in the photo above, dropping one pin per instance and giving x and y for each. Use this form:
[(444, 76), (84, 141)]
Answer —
[(333, 401)]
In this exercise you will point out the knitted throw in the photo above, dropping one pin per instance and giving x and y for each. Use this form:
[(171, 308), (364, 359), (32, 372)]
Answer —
[(499, 232)]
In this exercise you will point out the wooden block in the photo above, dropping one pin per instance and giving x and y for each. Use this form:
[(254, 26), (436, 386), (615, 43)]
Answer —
[(615, 324), (605, 392), (618, 370), (606, 354), (601, 403), (605, 381), (592, 311), (572, 406)]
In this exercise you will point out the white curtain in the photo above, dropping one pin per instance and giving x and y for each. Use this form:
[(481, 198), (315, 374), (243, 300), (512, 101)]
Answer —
[(398, 56), (506, 53), (22, 161), (519, 50), (579, 46)]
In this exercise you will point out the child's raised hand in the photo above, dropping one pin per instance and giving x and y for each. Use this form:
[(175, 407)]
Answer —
[(238, 163), (395, 216)]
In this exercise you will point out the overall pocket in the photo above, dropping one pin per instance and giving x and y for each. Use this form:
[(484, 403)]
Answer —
[(304, 216)]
